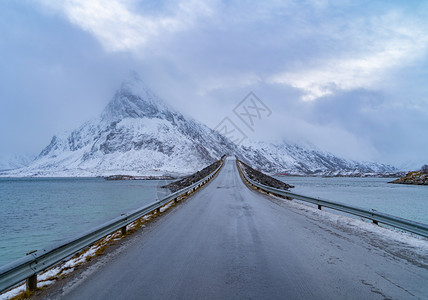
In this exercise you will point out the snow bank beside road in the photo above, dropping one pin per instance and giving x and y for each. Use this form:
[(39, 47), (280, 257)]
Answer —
[(402, 244)]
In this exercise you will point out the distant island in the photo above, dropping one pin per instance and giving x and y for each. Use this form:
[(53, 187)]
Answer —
[(416, 177), (130, 177)]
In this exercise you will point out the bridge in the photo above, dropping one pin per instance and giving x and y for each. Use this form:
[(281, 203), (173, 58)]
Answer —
[(229, 241)]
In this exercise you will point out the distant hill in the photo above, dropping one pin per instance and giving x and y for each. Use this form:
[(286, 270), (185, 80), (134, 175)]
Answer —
[(417, 177), (10, 162)]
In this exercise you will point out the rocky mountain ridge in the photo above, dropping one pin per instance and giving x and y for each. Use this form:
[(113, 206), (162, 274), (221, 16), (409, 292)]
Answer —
[(138, 134), (291, 159)]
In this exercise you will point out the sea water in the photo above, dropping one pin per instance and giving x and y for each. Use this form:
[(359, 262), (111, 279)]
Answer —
[(405, 201), (39, 212)]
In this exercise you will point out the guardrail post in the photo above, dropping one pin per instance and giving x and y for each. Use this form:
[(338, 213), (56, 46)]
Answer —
[(32, 283), (319, 207), (375, 222), (176, 199), (123, 229)]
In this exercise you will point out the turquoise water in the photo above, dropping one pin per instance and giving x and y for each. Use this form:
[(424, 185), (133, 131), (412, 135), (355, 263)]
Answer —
[(406, 201), (38, 212)]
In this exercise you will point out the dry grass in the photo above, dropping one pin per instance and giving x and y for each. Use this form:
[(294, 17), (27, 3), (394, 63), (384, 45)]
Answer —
[(23, 295)]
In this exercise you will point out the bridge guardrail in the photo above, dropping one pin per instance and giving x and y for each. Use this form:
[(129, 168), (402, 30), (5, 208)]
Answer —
[(377, 217), (27, 267)]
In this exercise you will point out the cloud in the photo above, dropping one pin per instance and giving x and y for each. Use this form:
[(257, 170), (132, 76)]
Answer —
[(119, 27), (228, 81), (363, 64)]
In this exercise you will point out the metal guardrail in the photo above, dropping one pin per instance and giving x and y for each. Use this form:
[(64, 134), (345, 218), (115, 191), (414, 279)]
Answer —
[(377, 217), (27, 267)]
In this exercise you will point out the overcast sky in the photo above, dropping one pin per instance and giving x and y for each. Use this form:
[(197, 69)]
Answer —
[(349, 77)]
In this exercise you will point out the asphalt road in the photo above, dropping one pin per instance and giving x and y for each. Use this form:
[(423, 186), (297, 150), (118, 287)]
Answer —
[(230, 242)]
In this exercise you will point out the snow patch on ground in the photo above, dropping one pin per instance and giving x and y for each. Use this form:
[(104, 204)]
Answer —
[(365, 228), (12, 293), (46, 283), (49, 277), (165, 207)]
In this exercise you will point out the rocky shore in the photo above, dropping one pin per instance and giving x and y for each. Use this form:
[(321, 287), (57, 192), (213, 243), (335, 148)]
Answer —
[(365, 175), (265, 179), (417, 177), (130, 177), (188, 180)]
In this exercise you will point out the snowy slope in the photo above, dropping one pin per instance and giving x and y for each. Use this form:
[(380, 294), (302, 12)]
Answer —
[(138, 134), (9, 162), (294, 159)]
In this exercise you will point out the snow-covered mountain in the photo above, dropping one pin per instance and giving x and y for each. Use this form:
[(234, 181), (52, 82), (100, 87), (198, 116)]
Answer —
[(138, 134), (10, 162), (293, 159)]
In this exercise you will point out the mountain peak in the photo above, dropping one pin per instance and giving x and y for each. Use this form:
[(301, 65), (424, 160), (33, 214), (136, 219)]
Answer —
[(133, 100), (139, 134), (134, 83)]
